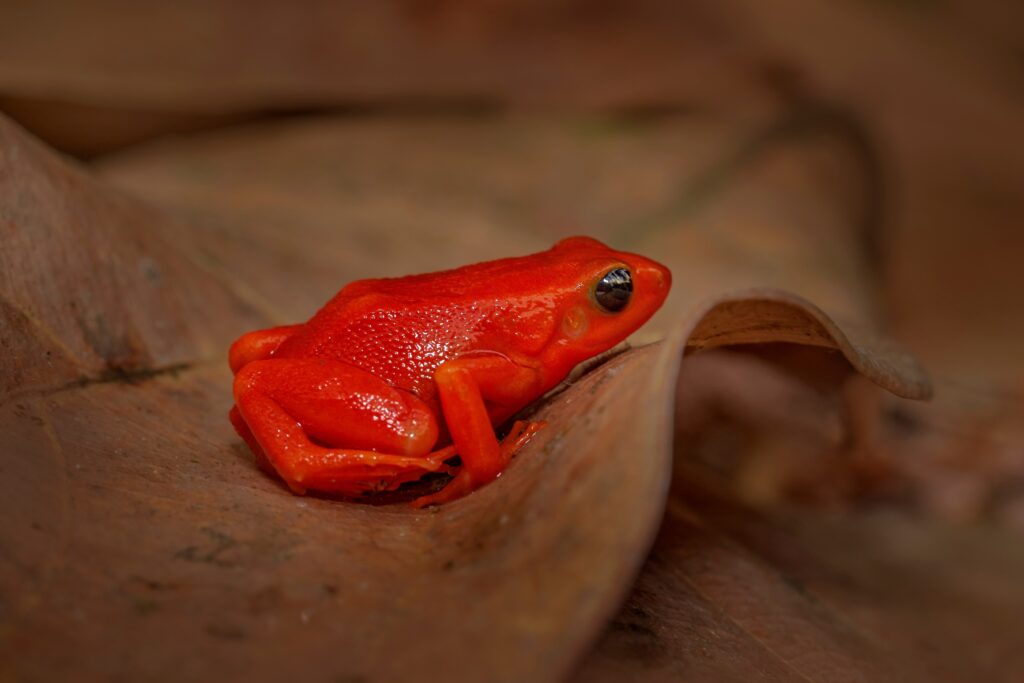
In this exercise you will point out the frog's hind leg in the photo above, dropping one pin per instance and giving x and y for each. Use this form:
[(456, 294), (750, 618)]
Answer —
[(238, 422), (258, 345), (329, 426), (255, 345)]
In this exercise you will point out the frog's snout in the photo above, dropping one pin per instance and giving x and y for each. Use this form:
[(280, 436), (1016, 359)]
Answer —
[(654, 278)]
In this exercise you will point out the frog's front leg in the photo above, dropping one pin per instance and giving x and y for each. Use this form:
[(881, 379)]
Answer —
[(330, 426), (476, 393)]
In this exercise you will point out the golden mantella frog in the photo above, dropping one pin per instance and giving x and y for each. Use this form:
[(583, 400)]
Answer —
[(392, 378)]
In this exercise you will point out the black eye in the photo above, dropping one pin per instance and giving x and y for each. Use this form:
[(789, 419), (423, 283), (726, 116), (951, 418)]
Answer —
[(614, 290)]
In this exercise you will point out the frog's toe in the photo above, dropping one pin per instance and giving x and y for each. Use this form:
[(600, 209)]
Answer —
[(458, 487)]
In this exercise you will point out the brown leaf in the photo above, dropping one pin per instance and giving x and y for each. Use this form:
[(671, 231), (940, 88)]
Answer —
[(792, 595), (90, 286), (757, 317), (142, 542)]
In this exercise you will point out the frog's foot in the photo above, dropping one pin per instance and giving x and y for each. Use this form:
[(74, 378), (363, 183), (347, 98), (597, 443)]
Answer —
[(463, 483), (304, 414), (521, 432), (352, 472)]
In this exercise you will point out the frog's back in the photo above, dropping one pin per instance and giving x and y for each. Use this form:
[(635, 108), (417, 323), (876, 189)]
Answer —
[(402, 329)]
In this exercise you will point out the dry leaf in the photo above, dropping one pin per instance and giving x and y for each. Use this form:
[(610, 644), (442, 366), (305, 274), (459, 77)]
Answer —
[(795, 595), (142, 541)]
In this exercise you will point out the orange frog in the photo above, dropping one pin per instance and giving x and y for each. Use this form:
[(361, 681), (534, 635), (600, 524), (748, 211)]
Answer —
[(393, 377)]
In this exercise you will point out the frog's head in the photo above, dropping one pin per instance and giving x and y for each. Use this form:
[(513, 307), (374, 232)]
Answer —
[(612, 294)]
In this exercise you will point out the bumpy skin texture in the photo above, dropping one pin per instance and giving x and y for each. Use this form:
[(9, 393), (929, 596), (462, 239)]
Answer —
[(394, 377)]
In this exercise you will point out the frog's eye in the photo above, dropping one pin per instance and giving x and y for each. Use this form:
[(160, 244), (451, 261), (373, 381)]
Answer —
[(614, 289)]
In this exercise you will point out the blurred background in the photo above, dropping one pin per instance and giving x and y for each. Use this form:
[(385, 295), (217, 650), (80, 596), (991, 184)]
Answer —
[(929, 92), (868, 155)]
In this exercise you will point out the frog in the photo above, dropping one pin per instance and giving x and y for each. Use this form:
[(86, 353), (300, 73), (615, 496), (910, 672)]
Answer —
[(397, 378)]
